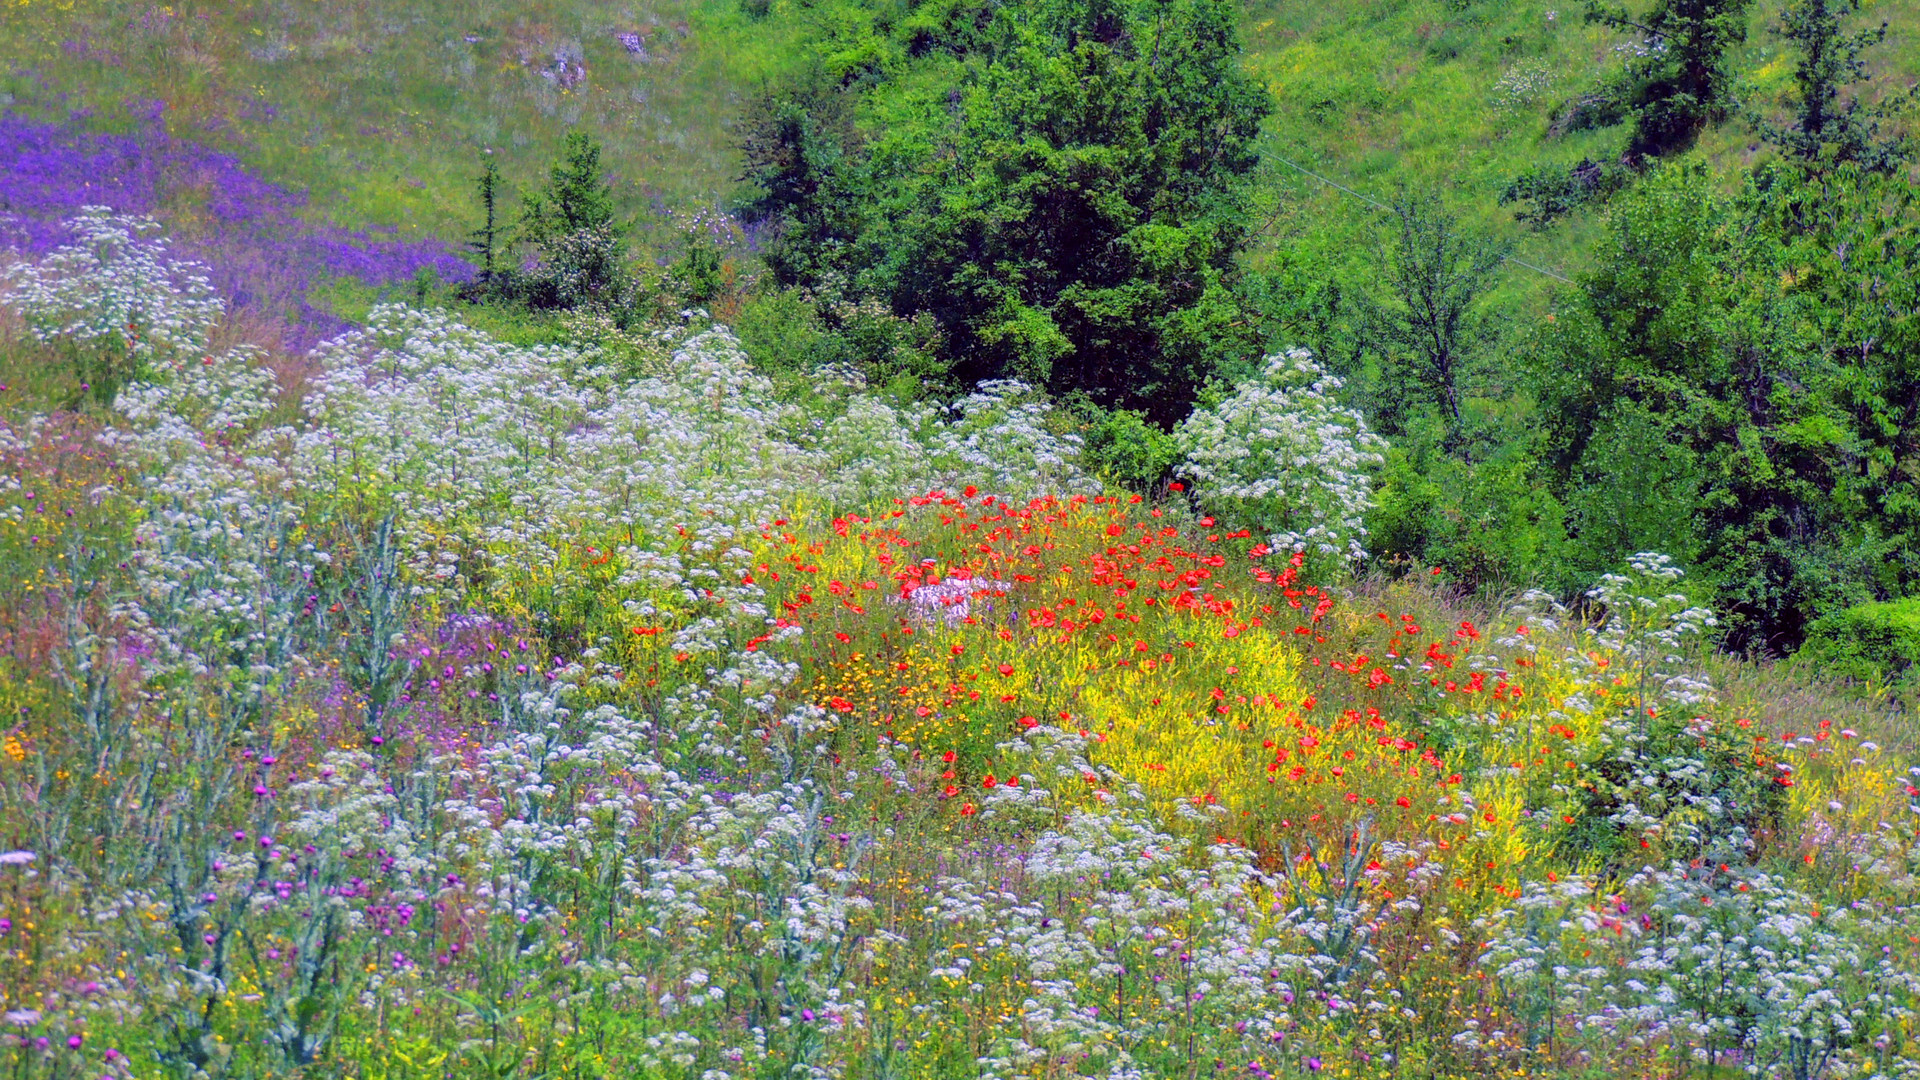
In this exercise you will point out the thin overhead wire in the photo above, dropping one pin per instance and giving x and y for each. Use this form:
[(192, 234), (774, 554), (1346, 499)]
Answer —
[(1337, 186)]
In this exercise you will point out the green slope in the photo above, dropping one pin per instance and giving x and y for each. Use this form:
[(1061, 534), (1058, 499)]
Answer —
[(380, 107), (1458, 96)]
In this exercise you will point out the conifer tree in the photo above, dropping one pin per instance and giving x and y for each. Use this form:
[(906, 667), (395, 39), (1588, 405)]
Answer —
[(487, 236), (571, 225), (1831, 127), (577, 196)]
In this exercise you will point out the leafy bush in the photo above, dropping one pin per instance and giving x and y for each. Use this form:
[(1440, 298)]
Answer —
[(782, 333), (1124, 449), (898, 355), (795, 333), (1056, 187), (581, 268), (1871, 643), (1548, 193), (1492, 524)]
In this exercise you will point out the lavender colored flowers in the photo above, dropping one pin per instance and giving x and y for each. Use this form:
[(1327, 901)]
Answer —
[(260, 236)]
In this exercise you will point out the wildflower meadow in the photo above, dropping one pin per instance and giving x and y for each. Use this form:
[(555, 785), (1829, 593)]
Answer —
[(436, 706)]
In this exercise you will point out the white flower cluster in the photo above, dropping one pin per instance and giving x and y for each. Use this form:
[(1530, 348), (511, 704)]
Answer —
[(1523, 85), (1132, 940), (1282, 454), (1737, 964), (996, 438), (115, 287), (527, 447), (1648, 627)]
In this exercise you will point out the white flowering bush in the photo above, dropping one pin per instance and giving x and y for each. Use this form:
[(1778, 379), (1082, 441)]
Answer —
[(120, 306), (1281, 454), (1650, 627), (996, 438), (1749, 971)]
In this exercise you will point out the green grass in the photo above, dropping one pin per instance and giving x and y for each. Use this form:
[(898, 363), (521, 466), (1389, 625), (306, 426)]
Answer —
[(1386, 98), (380, 108), (1386, 95)]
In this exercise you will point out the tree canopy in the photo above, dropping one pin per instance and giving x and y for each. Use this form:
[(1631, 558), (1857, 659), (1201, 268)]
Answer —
[(1736, 380), (1057, 188)]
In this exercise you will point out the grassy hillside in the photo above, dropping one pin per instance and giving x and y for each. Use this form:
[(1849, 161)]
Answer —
[(378, 109), (1458, 97)]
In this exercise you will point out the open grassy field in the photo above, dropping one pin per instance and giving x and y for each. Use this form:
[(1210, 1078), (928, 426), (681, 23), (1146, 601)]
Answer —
[(1459, 97), (380, 110)]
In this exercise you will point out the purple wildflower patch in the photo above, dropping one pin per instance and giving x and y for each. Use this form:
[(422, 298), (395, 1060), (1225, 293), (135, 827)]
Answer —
[(266, 256)]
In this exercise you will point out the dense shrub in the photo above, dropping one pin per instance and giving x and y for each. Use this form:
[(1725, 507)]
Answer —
[(1730, 383), (1494, 525), (1124, 449), (1056, 187), (1870, 643)]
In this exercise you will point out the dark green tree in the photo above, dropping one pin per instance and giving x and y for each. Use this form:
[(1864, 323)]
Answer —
[(1078, 223), (1056, 186), (1738, 383), (1832, 126), (571, 225), (1681, 79), (577, 196), (798, 139), (486, 239)]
